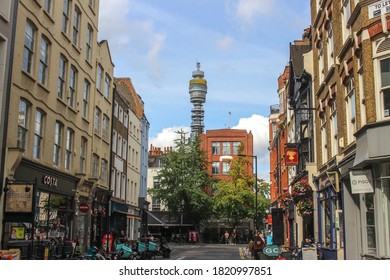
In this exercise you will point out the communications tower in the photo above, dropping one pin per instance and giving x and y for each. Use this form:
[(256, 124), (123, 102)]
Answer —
[(198, 91)]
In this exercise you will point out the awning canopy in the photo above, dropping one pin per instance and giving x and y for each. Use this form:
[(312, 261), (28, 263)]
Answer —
[(372, 144)]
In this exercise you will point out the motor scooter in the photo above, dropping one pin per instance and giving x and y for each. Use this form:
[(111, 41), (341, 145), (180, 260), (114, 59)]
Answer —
[(163, 249)]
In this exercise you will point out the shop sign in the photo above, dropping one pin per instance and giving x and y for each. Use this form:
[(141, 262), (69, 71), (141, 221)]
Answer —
[(84, 207), (378, 8), (17, 199), (49, 181), (361, 181), (291, 156), (272, 250)]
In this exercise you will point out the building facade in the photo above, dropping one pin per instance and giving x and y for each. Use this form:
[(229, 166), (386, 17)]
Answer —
[(221, 143), (350, 86), (8, 10), (61, 96)]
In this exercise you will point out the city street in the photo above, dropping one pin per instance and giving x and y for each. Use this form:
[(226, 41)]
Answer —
[(208, 252)]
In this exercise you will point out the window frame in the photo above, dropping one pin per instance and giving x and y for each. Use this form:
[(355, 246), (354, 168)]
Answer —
[(29, 47), (38, 134), (23, 124), (58, 130), (62, 70), (44, 61)]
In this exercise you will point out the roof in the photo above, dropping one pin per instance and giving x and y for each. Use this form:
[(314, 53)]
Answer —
[(126, 88)]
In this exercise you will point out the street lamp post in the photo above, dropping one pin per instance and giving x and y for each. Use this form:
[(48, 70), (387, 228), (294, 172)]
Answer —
[(255, 219)]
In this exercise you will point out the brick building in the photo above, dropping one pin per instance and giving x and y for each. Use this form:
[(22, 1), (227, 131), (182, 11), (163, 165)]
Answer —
[(225, 142)]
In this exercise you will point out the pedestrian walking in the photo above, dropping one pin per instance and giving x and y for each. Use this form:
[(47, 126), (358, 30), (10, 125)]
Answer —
[(226, 237)]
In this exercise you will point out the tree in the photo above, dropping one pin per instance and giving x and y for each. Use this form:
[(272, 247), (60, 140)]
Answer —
[(234, 198), (184, 180)]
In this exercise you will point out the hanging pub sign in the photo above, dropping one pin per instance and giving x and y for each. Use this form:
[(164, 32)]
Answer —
[(19, 198), (291, 156), (361, 181)]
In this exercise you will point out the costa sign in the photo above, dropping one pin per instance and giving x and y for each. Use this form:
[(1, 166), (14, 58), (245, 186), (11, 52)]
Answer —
[(50, 181)]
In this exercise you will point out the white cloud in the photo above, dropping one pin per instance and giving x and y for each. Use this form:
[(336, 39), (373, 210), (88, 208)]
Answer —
[(226, 43), (166, 138), (247, 11), (260, 130), (137, 41)]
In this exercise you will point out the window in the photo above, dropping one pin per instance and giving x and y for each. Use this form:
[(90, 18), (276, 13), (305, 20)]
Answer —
[(83, 154), (351, 111), (87, 88), (385, 87), (215, 148), (69, 147), (225, 167), (98, 114), (118, 184), (5, 8), (346, 14), (57, 143), (333, 128), (106, 122), (120, 114), (91, 4), (215, 168), (24, 109), (125, 120), (274, 129), (321, 72), (156, 204), (38, 134), (367, 206), (95, 166), (116, 109), (124, 150), (43, 61), (236, 145), (99, 76), (330, 45), (324, 140), (123, 187), (104, 172), (72, 86), (113, 141), (107, 82), (76, 26), (88, 43), (119, 146), (28, 54), (226, 148), (363, 117), (61, 77), (48, 5), (65, 16)]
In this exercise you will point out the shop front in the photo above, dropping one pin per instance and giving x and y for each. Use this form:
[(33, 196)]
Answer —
[(368, 195), (100, 216), (52, 208), (330, 219)]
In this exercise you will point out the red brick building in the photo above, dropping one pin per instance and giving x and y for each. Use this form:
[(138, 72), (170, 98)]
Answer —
[(225, 142)]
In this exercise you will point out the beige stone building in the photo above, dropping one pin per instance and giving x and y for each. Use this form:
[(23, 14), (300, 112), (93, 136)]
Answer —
[(59, 128)]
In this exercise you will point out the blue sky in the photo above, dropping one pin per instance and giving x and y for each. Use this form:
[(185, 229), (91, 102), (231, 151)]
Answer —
[(242, 45)]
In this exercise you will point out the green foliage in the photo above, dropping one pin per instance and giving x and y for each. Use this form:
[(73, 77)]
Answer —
[(235, 198), (184, 180)]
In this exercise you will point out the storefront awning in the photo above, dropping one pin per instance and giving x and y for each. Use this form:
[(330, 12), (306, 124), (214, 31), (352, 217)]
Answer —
[(154, 221)]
